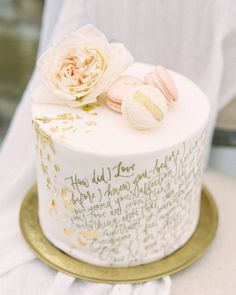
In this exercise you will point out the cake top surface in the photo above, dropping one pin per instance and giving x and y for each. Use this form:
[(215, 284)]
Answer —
[(98, 130)]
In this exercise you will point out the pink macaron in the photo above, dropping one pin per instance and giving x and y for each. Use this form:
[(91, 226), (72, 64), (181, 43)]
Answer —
[(160, 78), (119, 89)]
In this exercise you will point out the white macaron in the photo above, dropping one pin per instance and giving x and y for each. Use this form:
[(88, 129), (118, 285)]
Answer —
[(144, 107)]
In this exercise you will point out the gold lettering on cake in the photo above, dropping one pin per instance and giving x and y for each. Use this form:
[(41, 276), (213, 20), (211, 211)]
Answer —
[(128, 211), (102, 176), (123, 171)]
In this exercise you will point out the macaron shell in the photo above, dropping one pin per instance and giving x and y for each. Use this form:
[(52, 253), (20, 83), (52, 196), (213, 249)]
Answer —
[(121, 86), (113, 105), (140, 119), (167, 80), (144, 107), (161, 79)]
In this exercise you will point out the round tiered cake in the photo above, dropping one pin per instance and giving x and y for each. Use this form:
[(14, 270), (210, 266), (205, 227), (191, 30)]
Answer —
[(112, 195)]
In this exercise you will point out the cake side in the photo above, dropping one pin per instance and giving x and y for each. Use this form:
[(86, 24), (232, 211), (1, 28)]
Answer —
[(115, 196)]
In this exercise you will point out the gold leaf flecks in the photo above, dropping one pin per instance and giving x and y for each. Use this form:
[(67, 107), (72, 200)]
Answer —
[(67, 232), (78, 117), (66, 116), (79, 99), (62, 138), (91, 123), (44, 120), (57, 168), (54, 129), (97, 104), (87, 107), (53, 207), (44, 168), (81, 243), (67, 127), (53, 203), (48, 158), (66, 195), (42, 137), (91, 234)]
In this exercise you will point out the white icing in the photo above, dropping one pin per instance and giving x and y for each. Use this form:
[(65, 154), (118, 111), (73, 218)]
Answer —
[(144, 185)]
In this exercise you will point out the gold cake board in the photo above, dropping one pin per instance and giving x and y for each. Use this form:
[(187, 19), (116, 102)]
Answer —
[(179, 260)]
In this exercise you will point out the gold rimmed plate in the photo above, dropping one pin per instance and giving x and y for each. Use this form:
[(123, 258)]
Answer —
[(177, 261)]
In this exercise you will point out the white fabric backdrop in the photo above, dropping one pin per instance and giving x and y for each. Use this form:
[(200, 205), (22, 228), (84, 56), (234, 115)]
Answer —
[(196, 38)]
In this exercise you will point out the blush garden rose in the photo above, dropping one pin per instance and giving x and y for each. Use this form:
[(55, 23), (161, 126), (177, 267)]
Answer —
[(80, 68)]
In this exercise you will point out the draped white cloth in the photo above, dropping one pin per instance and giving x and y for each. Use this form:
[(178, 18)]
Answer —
[(196, 38)]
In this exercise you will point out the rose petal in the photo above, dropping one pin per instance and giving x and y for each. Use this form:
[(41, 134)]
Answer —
[(115, 58)]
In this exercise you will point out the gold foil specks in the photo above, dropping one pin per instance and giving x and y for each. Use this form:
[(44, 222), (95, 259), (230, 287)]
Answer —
[(53, 203), (65, 116), (81, 243), (67, 232), (57, 168), (54, 129), (67, 127), (44, 119), (66, 195), (64, 192), (48, 183), (87, 107), (91, 234), (79, 99), (53, 207), (44, 168), (91, 123), (43, 137), (61, 138), (48, 158)]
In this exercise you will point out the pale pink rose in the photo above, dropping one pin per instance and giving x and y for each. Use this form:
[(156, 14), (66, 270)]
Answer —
[(80, 68)]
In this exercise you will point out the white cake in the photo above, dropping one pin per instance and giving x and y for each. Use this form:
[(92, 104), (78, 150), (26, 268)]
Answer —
[(115, 196)]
